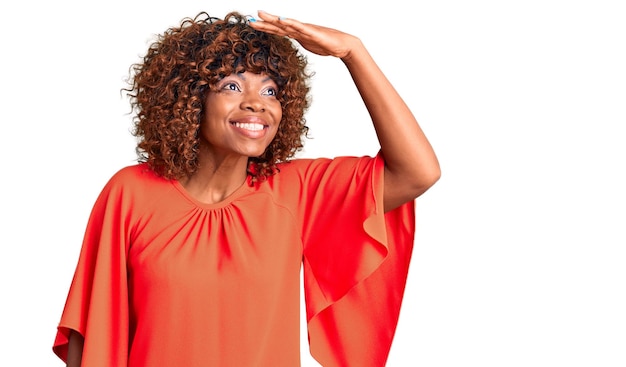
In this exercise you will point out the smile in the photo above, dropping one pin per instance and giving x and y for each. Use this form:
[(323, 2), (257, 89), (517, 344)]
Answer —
[(249, 126)]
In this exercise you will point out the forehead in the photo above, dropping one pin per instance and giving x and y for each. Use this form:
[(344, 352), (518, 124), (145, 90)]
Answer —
[(250, 77)]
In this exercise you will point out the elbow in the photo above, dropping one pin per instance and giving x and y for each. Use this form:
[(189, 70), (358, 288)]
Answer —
[(425, 181), (407, 185)]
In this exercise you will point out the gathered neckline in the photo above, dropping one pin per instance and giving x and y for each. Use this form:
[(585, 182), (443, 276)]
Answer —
[(239, 192)]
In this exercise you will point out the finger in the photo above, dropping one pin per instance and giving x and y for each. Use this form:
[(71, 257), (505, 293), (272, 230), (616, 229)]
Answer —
[(271, 18), (266, 26), (276, 24), (285, 23)]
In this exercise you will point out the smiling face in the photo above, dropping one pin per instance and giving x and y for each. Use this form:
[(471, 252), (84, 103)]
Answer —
[(241, 116)]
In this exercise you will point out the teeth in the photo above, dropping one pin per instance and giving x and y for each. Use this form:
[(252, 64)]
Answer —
[(249, 126)]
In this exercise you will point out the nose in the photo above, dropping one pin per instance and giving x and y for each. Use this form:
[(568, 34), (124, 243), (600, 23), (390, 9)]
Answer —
[(252, 102)]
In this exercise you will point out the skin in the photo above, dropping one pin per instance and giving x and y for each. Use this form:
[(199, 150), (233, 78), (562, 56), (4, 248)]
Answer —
[(411, 166), (75, 349), (242, 104)]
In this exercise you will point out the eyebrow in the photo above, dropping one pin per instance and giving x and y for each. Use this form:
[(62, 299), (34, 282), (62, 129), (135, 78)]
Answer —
[(242, 77)]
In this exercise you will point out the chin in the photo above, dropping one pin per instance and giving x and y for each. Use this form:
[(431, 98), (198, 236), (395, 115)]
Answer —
[(254, 153)]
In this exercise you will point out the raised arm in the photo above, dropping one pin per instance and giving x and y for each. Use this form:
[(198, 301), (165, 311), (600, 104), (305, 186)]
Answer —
[(411, 166)]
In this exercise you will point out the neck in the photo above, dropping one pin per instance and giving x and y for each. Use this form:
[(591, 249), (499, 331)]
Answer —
[(216, 179)]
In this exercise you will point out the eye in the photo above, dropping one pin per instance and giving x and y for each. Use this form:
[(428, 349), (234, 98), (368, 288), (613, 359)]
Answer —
[(231, 86), (271, 91)]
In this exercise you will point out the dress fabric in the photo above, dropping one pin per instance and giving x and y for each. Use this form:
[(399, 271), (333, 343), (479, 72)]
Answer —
[(165, 280)]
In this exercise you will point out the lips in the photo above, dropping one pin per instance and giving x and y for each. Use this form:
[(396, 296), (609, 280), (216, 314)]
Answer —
[(250, 126)]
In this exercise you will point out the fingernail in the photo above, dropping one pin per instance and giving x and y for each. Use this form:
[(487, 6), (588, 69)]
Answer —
[(251, 20), (281, 18)]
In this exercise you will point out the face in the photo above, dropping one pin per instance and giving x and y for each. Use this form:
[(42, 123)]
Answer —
[(241, 118)]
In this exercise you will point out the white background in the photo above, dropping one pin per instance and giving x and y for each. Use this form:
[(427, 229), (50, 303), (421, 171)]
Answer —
[(520, 256)]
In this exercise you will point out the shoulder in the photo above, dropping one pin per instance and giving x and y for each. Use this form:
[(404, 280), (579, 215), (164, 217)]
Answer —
[(310, 169), (134, 179), (135, 190), (140, 172), (306, 175), (301, 166)]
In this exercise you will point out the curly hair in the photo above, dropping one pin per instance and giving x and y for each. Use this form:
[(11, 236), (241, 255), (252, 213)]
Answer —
[(168, 88)]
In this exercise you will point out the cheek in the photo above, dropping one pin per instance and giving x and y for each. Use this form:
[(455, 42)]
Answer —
[(278, 114)]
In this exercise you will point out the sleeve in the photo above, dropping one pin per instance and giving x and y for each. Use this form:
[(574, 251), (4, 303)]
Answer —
[(356, 260), (97, 302)]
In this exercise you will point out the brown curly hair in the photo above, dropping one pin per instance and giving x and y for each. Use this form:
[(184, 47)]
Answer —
[(168, 88)]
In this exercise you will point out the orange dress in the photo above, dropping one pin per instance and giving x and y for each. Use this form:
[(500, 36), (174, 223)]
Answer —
[(165, 280)]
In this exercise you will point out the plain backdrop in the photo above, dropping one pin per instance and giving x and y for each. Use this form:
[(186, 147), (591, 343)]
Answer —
[(520, 251)]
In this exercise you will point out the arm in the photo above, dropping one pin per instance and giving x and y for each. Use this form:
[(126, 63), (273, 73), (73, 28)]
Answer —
[(75, 349), (411, 166)]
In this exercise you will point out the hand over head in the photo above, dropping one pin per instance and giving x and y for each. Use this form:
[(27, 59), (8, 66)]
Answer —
[(314, 38)]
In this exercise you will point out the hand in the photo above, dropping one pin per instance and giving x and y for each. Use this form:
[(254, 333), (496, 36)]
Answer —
[(314, 38)]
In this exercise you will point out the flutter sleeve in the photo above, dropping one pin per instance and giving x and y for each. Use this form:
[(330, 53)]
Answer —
[(97, 303), (356, 260)]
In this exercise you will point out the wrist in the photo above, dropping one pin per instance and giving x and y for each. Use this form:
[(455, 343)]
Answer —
[(354, 49)]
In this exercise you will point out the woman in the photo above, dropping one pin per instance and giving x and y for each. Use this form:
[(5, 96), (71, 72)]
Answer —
[(192, 257)]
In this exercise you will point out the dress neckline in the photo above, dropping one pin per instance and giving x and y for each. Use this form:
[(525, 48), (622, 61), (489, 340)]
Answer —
[(239, 192)]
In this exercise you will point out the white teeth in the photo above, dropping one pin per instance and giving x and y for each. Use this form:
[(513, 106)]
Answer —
[(249, 126)]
